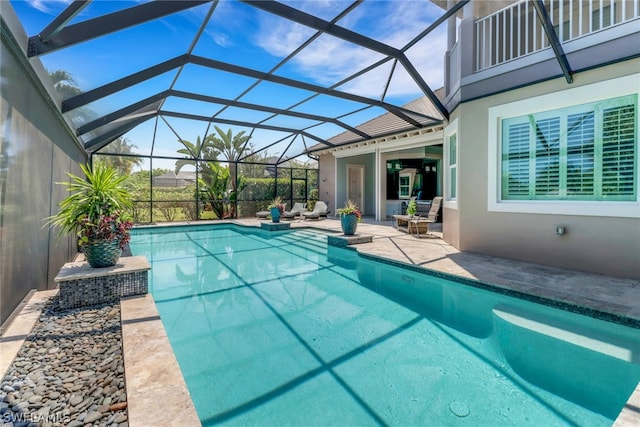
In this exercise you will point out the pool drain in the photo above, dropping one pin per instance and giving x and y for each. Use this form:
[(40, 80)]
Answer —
[(459, 409)]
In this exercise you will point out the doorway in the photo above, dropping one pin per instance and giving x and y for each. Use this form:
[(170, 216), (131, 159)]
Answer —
[(355, 185)]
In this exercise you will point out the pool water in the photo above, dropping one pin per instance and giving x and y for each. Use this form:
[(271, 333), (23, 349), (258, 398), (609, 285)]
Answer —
[(276, 329)]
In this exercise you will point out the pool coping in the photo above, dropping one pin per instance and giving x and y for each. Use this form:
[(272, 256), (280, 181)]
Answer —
[(157, 393), (504, 290)]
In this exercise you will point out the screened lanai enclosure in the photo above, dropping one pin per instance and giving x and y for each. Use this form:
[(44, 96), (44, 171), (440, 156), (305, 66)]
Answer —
[(211, 108)]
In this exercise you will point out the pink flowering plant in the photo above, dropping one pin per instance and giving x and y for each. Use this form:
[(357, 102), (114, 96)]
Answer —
[(350, 208), (107, 228)]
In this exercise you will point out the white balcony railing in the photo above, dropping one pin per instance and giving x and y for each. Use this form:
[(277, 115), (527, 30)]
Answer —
[(516, 31)]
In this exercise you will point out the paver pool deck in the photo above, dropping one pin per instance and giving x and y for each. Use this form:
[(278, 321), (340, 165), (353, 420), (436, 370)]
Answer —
[(617, 296)]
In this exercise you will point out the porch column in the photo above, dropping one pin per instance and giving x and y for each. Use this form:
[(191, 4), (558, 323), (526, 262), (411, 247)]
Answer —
[(378, 187), (451, 27), (467, 55)]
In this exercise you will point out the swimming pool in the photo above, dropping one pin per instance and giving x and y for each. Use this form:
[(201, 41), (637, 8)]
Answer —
[(277, 328)]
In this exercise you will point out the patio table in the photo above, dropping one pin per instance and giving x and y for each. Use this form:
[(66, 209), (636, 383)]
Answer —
[(412, 224)]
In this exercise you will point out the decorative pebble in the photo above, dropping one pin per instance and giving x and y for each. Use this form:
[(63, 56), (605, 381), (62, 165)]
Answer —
[(66, 366)]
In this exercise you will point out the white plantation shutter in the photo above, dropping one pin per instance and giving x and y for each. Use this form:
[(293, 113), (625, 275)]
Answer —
[(580, 154), (547, 178), (587, 152), (516, 165), (619, 151)]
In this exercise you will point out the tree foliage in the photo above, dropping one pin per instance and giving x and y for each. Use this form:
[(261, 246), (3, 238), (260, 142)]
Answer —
[(218, 186), (123, 164)]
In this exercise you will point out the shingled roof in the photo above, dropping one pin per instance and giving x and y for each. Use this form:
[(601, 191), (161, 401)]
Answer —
[(389, 124)]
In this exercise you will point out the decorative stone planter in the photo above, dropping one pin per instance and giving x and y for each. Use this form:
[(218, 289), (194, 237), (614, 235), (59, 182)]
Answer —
[(275, 214), (349, 223), (82, 285), (102, 254)]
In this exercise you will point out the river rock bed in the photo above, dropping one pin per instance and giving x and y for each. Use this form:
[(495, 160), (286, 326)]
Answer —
[(69, 371)]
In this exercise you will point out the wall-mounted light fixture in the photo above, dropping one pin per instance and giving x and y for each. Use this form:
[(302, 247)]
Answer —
[(560, 230)]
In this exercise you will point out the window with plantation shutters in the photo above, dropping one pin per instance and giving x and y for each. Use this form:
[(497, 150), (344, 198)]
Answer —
[(516, 182), (619, 151), (580, 153), (586, 152), (453, 167), (547, 156)]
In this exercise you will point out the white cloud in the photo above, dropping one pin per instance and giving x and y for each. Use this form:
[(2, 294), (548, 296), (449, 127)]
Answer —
[(219, 38), (48, 6), (328, 59)]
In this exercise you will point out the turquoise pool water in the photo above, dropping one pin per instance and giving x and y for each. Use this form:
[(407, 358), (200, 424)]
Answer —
[(277, 329)]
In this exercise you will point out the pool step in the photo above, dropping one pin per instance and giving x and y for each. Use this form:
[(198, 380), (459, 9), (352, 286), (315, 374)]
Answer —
[(581, 359), (593, 340)]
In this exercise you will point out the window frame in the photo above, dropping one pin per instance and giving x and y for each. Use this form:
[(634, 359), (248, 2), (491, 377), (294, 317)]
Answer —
[(553, 100), (452, 166), (401, 186), (560, 153), (451, 200)]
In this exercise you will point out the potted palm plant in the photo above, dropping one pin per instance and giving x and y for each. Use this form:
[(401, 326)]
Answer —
[(95, 212), (350, 215)]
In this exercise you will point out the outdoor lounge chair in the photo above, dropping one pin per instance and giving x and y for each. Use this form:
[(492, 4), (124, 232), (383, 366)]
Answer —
[(320, 209), (296, 210), (262, 214), (422, 223), (432, 215)]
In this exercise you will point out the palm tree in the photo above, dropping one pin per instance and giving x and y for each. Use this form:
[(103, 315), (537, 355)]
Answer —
[(124, 164), (212, 177), (67, 87), (232, 147), (64, 84)]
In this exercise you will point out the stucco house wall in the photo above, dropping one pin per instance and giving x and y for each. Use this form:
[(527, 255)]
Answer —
[(369, 163), (327, 178), (602, 237)]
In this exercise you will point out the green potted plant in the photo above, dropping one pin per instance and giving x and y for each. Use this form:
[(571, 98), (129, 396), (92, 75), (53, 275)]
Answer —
[(350, 216), (276, 207), (95, 212), (412, 209)]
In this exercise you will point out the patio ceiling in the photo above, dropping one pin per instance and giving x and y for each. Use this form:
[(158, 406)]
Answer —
[(291, 74)]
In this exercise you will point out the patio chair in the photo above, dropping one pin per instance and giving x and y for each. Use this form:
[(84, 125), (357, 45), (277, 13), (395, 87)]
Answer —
[(296, 210), (422, 223), (262, 214), (320, 209), (432, 215)]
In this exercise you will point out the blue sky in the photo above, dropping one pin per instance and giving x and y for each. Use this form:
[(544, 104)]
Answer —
[(240, 34)]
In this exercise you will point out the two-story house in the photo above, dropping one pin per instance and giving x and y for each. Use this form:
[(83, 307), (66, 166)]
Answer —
[(538, 159)]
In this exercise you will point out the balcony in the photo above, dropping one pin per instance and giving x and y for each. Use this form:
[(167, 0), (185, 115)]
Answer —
[(497, 50), (516, 31)]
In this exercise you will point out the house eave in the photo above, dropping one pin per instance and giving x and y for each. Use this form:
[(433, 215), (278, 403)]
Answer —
[(384, 140)]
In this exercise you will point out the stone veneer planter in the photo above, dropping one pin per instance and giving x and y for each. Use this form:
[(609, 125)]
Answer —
[(82, 285), (275, 226), (344, 241)]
